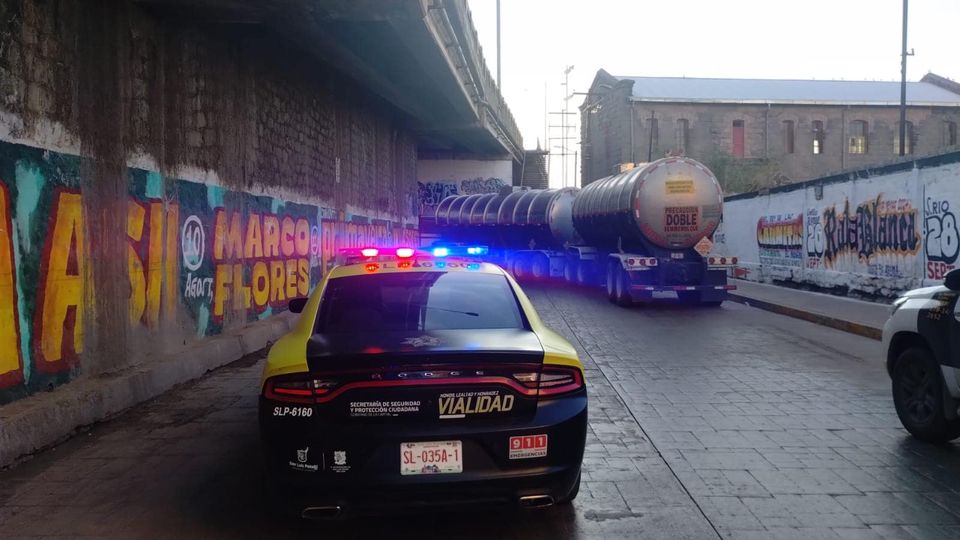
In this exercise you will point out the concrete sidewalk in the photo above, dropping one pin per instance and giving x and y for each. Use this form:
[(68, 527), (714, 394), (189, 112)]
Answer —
[(855, 316)]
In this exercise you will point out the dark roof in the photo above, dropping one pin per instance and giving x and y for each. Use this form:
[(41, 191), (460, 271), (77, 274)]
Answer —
[(788, 91)]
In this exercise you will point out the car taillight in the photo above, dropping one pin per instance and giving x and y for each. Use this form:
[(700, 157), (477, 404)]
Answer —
[(552, 381), (297, 389)]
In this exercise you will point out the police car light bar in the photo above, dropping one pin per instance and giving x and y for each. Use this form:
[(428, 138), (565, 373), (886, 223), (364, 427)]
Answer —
[(461, 251), (407, 254)]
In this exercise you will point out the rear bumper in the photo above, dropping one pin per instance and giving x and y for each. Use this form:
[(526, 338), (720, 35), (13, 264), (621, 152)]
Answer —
[(370, 479), (349, 501), (676, 288)]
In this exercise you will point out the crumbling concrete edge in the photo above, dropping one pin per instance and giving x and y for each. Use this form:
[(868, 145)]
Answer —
[(45, 419), (816, 318)]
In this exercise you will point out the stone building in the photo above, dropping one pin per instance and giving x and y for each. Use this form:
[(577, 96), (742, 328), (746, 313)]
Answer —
[(758, 132)]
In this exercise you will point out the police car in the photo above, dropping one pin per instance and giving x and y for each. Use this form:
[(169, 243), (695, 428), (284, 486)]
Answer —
[(416, 378), (922, 340)]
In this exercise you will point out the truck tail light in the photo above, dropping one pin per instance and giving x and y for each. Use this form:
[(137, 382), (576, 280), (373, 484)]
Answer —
[(721, 261), (641, 263)]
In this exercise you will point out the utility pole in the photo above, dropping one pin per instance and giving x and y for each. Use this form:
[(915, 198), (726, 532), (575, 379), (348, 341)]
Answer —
[(498, 46), (563, 119), (903, 83), (564, 126)]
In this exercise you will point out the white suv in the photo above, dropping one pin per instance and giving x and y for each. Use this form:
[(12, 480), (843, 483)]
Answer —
[(922, 340)]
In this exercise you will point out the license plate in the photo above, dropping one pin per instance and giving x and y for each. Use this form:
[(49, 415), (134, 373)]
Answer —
[(676, 255), (436, 457)]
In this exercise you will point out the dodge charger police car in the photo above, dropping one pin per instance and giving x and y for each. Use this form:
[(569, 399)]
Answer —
[(922, 340), (415, 378)]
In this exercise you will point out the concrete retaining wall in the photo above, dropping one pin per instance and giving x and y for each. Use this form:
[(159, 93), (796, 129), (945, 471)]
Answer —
[(876, 232), (166, 184)]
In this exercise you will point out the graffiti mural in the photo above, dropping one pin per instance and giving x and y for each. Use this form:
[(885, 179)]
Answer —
[(431, 193), (780, 239), (876, 227), (815, 240), (198, 258), (339, 234), (941, 238), (874, 232), (481, 185)]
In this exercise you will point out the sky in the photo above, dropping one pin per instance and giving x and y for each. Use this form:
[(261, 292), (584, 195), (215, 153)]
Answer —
[(775, 39)]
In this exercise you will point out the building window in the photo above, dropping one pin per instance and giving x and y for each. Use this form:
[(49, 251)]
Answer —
[(908, 146), (818, 137), (788, 136), (858, 137), (738, 150), (949, 133), (683, 135)]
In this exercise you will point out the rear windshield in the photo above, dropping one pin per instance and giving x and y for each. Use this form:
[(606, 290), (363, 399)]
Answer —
[(418, 301)]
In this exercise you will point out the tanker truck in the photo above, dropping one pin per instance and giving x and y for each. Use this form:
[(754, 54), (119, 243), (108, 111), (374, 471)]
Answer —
[(635, 233)]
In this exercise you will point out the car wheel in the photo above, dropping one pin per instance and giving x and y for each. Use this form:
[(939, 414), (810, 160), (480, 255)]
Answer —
[(573, 492), (918, 397)]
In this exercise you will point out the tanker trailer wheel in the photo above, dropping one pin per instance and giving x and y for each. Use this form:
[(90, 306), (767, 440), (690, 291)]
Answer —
[(540, 267), (622, 295), (585, 273), (612, 268), (521, 267), (570, 270)]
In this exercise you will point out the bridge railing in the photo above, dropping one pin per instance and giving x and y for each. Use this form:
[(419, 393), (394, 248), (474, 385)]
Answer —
[(489, 98)]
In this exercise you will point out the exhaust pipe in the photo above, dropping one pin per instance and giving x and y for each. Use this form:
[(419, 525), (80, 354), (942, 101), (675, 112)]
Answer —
[(536, 501), (320, 512)]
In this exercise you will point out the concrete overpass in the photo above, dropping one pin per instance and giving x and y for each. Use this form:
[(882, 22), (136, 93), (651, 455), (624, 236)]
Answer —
[(421, 56)]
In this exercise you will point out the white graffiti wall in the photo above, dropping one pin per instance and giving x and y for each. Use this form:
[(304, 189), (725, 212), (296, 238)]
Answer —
[(437, 179), (881, 234)]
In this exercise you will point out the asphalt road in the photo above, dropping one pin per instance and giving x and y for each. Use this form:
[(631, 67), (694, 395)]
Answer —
[(705, 423)]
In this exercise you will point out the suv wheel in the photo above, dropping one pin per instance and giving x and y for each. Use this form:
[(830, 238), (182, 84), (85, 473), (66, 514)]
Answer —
[(918, 394)]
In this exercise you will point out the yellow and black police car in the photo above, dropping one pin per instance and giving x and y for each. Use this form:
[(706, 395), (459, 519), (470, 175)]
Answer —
[(922, 343), (417, 378)]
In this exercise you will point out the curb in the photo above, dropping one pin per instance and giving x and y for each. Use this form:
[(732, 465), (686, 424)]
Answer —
[(45, 419), (809, 316)]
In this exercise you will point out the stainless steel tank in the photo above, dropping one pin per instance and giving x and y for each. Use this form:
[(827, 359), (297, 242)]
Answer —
[(532, 207), (672, 202)]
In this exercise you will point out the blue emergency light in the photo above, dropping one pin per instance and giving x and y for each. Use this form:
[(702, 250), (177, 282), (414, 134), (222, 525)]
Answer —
[(441, 251)]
